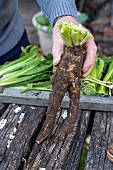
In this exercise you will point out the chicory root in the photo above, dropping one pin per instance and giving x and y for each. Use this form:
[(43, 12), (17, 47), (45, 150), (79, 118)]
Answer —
[(66, 78)]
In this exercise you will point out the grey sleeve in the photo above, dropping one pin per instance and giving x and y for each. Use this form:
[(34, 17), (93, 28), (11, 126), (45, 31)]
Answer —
[(57, 8)]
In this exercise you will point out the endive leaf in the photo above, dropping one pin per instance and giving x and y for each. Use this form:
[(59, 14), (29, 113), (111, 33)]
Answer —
[(72, 34)]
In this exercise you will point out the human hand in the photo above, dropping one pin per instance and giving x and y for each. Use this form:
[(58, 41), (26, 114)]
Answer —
[(58, 47)]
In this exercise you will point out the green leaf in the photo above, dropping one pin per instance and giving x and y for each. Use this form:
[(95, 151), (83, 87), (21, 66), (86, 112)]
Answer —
[(29, 68), (72, 34)]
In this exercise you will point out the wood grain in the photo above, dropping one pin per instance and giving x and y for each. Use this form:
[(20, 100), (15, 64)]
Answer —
[(61, 151), (101, 138), (18, 135), (40, 98)]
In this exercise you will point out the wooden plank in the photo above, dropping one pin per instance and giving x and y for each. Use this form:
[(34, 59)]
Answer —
[(40, 98), (61, 151), (3, 107), (101, 138), (18, 134)]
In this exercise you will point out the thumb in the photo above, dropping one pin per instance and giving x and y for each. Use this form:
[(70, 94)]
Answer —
[(58, 46), (57, 52)]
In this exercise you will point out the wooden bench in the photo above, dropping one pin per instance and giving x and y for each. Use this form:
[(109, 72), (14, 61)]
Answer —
[(20, 126), (101, 138)]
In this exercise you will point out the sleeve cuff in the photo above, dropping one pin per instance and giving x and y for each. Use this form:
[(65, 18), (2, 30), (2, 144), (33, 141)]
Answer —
[(62, 8)]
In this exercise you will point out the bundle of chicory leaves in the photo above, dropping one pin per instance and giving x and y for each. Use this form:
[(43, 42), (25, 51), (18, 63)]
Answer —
[(31, 70)]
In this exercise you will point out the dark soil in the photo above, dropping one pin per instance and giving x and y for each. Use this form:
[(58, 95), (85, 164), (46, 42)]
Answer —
[(65, 79)]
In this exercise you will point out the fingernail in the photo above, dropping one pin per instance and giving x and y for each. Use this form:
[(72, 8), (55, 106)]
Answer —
[(84, 70), (55, 61)]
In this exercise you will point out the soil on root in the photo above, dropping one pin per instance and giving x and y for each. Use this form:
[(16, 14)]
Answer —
[(66, 78)]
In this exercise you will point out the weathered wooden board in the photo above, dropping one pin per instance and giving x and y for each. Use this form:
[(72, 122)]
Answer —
[(18, 132), (61, 152), (3, 107), (101, 138), (40, 98)]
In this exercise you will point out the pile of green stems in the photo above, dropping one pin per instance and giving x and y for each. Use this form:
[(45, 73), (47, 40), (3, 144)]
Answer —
[(100, 80), (30, 71)]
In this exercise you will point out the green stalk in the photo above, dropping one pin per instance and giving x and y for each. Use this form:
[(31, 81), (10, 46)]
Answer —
[(100, 82), (12, 76), (41, 68), (75, 37), (36, 67), (100, 68), (28, 70), (87, 89), (19, 63), (91, 84), (66, 34), (102, 89), (26, 79), (45, 86), (17, 66)]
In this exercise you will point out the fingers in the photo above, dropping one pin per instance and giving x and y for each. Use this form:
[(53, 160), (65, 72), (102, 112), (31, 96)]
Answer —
[(91, 50), (58, 46)]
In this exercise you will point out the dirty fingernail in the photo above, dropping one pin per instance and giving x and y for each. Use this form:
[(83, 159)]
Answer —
[(55, 61), (84, 70)]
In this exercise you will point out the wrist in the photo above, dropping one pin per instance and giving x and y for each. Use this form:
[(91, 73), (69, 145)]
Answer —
[(66, 19)]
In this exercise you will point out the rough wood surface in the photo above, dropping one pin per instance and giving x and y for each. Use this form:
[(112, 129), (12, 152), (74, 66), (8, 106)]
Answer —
[(61, 152), (101, 138), (19, 129), (40, 98), (3, 107)]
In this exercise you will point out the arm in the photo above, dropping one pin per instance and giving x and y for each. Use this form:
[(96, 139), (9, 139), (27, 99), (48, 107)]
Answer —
[(54, 9), (61, 11)]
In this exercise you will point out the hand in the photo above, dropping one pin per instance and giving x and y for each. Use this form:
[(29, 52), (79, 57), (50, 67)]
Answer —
[(58, 47), (91, 50)]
